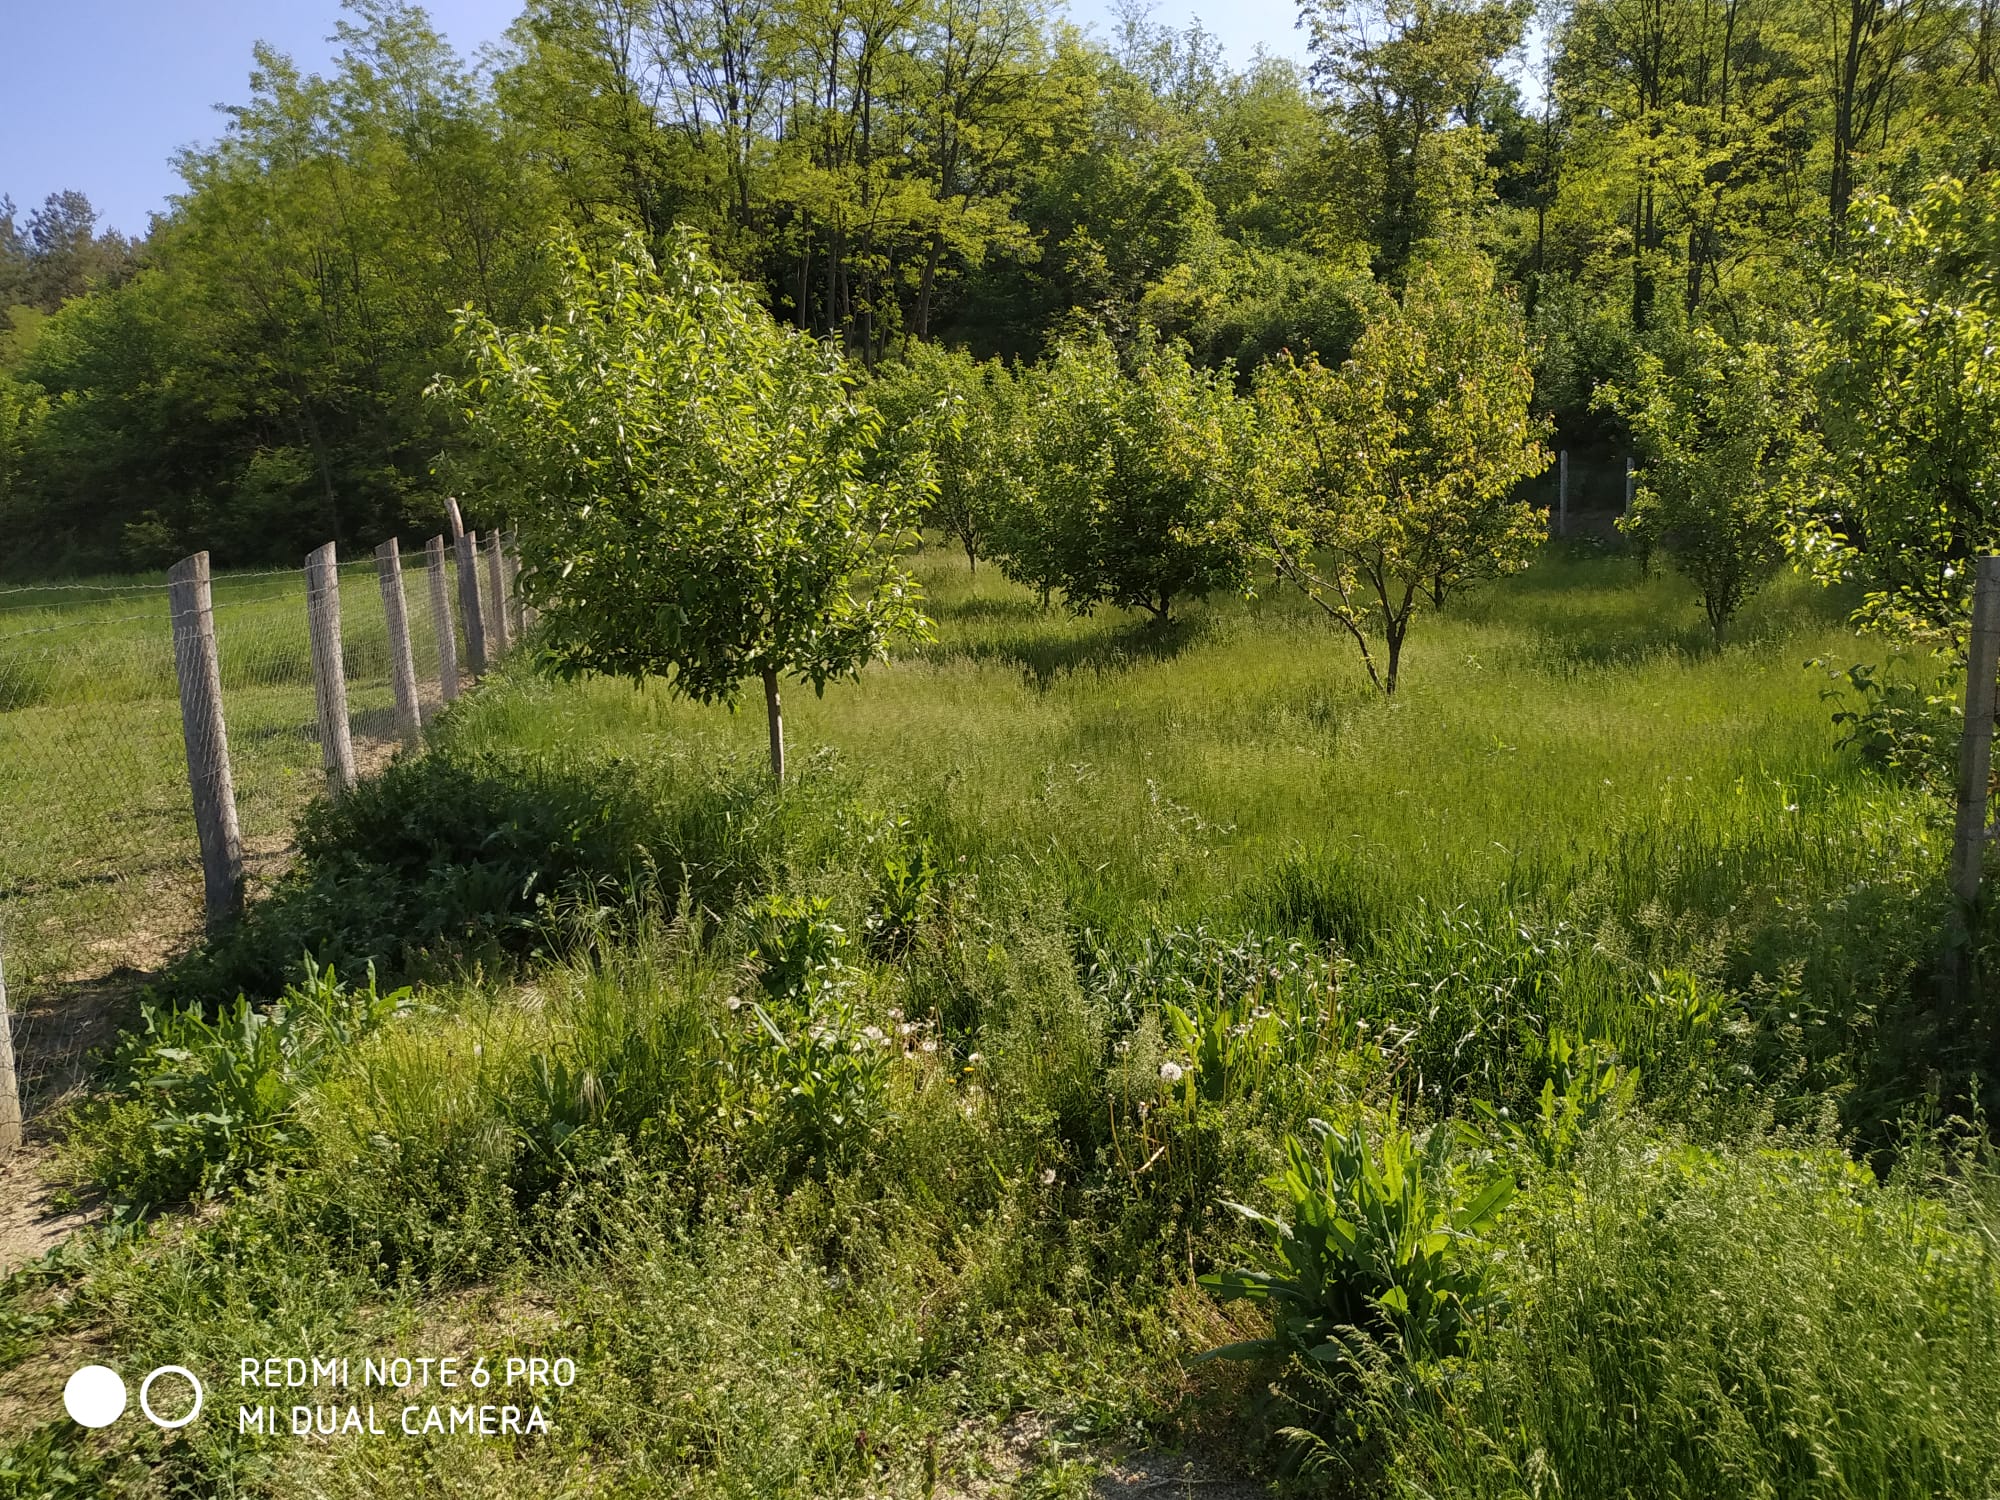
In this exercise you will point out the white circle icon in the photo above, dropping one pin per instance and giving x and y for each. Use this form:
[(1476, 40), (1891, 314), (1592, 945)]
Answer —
[(146, 1389), (94, 1396)]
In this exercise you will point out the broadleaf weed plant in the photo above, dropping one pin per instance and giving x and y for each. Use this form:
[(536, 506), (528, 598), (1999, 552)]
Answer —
[(824, 1069), (1383, 1242)]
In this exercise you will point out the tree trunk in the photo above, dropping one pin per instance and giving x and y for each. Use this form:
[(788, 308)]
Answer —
[(777, 718)]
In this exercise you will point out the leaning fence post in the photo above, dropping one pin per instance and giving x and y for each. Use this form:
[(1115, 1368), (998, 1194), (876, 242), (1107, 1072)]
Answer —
[(1562, 493), (192, 611), (336, 745), (402, 665), (467, 544), (11, 1112), (441, 619)]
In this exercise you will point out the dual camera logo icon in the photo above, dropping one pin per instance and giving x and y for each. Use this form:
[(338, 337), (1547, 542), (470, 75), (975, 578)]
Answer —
[(95, 1396)]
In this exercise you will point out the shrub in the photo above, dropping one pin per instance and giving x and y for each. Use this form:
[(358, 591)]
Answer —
[(447, 859), (824, 1072)]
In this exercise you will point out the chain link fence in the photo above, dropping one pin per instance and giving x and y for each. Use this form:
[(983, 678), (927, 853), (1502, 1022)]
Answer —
[(101, 868)]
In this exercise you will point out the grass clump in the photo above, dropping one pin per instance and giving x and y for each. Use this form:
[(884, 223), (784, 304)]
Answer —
[(1768, 1321)]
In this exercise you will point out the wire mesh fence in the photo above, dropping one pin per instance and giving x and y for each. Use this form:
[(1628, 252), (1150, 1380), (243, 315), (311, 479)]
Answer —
[(101, 862)]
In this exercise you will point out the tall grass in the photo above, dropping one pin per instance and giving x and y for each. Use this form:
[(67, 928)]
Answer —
[(1760, 1322), (1119, 910)]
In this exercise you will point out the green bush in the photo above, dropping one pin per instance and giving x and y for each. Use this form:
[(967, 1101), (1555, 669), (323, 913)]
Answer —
[(824, 1072)]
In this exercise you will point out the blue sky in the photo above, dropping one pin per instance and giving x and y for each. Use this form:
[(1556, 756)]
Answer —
[(99, 96)]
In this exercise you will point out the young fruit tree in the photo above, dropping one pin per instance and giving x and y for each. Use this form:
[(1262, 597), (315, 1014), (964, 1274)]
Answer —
[(1908, 384), (1719, 428), (1125, 468), (689, 483), (1387, 486), (966, 409)]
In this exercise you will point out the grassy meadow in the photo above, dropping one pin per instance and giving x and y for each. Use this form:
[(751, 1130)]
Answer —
[(872, 1136)]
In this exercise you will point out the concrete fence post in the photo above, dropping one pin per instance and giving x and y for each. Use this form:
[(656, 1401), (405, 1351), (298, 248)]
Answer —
[(336, 744), (191, 609), (447, 638), (402, 663), (1562, 493), (11, 1113)]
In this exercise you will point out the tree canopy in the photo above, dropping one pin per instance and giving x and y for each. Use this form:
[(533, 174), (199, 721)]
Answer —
[(973, 174)]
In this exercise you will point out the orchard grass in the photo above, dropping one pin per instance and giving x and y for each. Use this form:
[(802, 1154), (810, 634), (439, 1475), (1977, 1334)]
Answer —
[(1078, 920)]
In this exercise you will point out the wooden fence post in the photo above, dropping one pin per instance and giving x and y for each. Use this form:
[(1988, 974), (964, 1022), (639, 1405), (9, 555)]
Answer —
[(192, 611), (11, 1112), (510, 561), (1631, 487), (1562, 493), (496, 587), (467, 545), (336, 744), (447, 638), (1975, 752), (530, 616), (402, 665)]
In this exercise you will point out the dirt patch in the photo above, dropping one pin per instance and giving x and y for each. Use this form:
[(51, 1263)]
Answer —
[(993, 1464), (1163, 1476), (30, 1223)]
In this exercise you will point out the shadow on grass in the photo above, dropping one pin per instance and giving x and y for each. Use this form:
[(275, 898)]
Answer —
[(1044, 657), (61, 1026), (1582, 613)]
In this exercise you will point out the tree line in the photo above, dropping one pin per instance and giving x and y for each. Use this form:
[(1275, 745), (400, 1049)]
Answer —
[(897, 176)]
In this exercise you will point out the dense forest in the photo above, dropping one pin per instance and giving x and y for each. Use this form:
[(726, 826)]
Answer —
[(250, 377)]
